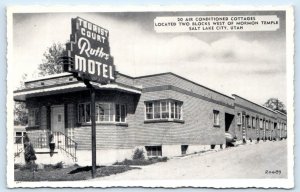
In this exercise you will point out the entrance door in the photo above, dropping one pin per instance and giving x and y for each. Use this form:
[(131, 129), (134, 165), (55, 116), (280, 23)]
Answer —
[(244, 132), (228, 120), (58, 119), (257, 129)]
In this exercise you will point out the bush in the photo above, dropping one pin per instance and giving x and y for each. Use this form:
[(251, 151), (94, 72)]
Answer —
[(138, 154), (141, 162), (58, 165), (29, 166), (17, 166), (29, 152), (158, 159)]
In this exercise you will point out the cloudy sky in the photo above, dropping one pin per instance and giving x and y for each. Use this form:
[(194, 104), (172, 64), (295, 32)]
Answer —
[(250, 64)]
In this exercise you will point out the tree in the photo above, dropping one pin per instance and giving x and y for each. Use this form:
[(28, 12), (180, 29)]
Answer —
[(20, 112), (49, 64), (275, 104)]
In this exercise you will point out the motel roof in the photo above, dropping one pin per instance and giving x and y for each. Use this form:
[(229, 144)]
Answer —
[(20, 95), (274, 111), (185, 79), (133, 78)]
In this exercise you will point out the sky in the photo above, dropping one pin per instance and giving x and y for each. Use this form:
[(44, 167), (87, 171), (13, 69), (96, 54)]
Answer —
[(249, 64)]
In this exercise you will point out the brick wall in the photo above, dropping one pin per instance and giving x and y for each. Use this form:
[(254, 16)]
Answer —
[(198, 104), (197, 127), (43, 121), (179, 82), (253, 110)]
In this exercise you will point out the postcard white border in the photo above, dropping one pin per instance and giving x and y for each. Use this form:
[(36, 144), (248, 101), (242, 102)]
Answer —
[(221, 183)]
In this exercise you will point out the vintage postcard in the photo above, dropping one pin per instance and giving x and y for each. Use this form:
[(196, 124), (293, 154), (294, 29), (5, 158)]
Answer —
[(156, 96)]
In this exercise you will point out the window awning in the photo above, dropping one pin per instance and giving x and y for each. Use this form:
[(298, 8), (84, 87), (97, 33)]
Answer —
[(21, 95)]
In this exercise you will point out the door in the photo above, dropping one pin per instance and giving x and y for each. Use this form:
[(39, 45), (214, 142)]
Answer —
[(58, 119), (257, 129), (244, 132)]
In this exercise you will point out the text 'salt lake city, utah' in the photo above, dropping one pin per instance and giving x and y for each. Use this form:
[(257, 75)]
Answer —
[(172, 96)]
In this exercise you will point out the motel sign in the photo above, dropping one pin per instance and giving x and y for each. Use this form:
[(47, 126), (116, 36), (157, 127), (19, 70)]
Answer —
[(90, 52), (89, 59)]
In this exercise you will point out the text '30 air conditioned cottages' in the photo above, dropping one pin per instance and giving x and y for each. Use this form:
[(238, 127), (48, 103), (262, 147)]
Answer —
[(164, 114)]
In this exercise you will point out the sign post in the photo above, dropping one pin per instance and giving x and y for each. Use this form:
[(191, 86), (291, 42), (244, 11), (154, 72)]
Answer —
[(93, 120), (88, 57)]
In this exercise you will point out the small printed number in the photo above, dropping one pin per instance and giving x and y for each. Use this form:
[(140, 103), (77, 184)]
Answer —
[(278, 172)]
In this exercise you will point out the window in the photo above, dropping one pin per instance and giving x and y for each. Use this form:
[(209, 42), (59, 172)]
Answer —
[(19, 137), (239, 119), (253, 122), (184, 149), (105, 112), (172, 104), (261, 123), (248, 121), (33, 119), (121, 113), (243, 121), (164, 109), (59, 118), (149, 110), (153, 151), (84, 112), (177, 110), (216, 118), (157, 110)]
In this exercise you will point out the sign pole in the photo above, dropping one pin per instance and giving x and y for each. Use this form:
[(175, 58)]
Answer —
[(93, 120), (97, 67)]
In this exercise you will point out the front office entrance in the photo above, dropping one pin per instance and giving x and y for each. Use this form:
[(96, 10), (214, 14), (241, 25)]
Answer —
[(58, 118)]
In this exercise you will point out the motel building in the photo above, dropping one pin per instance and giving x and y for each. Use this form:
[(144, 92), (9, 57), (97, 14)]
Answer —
[(164, 114)]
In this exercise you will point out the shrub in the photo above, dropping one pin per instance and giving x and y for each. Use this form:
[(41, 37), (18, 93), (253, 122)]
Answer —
[(138, 154), (17, 166), (29, 166), (158, 159), (164, 159), (59, 165), (29, 152)]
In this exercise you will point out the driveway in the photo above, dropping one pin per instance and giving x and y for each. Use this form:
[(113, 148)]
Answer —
[(245, 161)]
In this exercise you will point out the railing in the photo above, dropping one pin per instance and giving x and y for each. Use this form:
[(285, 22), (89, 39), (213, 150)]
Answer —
[(66, 144), (18, 146), (40, 140)]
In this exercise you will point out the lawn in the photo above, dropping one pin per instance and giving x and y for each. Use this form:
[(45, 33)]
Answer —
[(52, 173)]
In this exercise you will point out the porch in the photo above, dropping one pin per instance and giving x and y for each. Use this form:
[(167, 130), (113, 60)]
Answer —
[(65, 148)]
